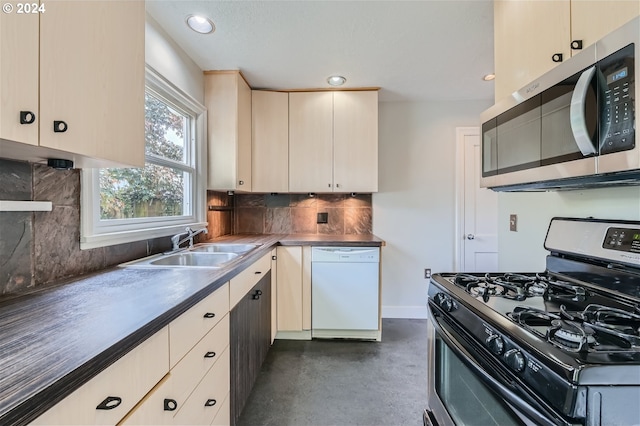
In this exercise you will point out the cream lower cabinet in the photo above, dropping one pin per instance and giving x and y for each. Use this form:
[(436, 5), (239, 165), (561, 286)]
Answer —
[(74, 86), (333, 141), (108, 397), (197, 385), (293, 286)]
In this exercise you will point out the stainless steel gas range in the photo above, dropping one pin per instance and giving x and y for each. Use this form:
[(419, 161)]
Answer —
[(556, 347)]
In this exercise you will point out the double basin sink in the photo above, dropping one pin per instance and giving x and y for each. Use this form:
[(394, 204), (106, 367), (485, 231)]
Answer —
[(204, 255)]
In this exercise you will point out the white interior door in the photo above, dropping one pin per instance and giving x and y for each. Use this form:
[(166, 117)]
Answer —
[(478, 208)]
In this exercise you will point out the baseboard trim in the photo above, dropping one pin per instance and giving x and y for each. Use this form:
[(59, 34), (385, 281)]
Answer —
[(294, 335), (409, 312)]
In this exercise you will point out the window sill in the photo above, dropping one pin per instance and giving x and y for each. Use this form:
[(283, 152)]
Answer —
[(109, 239)]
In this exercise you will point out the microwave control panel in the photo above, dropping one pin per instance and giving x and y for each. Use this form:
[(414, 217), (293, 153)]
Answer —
[(618, 112)]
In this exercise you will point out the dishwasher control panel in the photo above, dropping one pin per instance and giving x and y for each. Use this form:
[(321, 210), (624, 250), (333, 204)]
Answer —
[(346, 254)]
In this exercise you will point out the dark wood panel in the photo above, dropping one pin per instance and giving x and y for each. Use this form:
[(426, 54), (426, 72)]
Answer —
[(250, 339)]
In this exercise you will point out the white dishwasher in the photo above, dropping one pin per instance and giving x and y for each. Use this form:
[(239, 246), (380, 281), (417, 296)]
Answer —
[(345, 292)]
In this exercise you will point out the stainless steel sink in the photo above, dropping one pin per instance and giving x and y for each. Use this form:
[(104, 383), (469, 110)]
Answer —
[(195, 259), (184, 259), (224, 248)]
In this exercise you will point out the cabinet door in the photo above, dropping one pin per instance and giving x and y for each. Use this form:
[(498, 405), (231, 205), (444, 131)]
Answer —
[(92, 78), (274, 294), (311, 142), (526, 36), (289, 284), (19, 76), (228, 101), (355, 141), (270, 141), (593, 19), (250, 339)]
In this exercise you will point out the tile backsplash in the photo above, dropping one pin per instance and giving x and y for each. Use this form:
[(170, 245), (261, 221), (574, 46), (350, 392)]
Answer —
[(39, 248), (297, 214)]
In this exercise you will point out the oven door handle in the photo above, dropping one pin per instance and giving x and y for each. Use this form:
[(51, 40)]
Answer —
[(533, 413)]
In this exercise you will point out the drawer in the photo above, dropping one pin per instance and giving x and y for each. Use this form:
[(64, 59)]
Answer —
[(187, 330), (121, 386), (168, 397), (223, 418), (245, 280), (206, 400)]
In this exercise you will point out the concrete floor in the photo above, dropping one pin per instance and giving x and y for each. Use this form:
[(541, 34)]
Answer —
[(340, 382)]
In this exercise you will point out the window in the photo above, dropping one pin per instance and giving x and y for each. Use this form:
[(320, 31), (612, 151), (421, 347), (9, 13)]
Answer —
[(122, 205)]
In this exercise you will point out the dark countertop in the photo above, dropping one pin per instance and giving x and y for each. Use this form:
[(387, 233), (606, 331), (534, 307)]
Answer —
[(56, 339)]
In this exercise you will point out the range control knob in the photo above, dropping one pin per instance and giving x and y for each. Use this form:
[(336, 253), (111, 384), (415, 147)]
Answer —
[(515, 360), (445, 302), (496, 344)]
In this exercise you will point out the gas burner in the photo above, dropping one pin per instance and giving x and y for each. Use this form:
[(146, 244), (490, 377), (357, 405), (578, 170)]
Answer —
[(596, 328), (509, 285)]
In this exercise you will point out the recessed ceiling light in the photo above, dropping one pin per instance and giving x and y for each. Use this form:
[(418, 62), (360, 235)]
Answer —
[(200, 24), (336, 80), (489, 77)]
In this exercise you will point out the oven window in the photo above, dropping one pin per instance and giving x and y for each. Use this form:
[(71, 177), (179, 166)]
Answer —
[(467, 400)]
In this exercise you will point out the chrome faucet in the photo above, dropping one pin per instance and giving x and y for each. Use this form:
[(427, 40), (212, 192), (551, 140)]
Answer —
[(190, 233)]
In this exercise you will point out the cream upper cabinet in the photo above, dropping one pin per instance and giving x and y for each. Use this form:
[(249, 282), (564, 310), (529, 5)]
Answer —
[(355, 141), (270, 141), (593, 19), (311, 142), (333, 141), (228, 102), (19, 41), (90, 80), (529, 35)]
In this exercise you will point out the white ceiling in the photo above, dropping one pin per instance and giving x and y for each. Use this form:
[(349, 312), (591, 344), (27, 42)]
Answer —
[(412, 50)]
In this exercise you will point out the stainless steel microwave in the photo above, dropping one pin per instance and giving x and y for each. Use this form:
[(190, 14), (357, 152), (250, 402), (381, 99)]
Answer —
[(573, 127)]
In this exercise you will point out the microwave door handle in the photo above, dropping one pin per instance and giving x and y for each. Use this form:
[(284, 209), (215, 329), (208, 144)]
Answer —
[(577, 113), (533, 413)]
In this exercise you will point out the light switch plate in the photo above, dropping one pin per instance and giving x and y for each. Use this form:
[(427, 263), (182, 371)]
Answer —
[(513, 222)]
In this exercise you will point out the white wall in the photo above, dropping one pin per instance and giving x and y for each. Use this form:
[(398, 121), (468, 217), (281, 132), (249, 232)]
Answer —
[(167, 58), (414, 210), (523, 250)]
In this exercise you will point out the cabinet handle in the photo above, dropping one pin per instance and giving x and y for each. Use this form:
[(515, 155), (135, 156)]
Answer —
[(209, 354), (27, 117), (337, 185), (257, 272), (556, 57), (241, 182), (170, 404), (210, 403), (257, 295), (60, 126), (576, 44), (329, 185), (274, 257), (109, 403), (209, 315)]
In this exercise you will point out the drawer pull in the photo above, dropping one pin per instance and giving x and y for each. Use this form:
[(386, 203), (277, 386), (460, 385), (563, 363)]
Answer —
[(210, 403), (209, 315), (257, 295), (257, 272), (109, 403), (209, 354), (170, 404)]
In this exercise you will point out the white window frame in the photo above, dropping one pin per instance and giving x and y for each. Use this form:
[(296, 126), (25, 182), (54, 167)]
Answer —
[(100, 233)]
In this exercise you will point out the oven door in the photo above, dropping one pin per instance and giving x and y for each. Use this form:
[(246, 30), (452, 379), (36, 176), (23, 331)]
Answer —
[(467, 387)]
